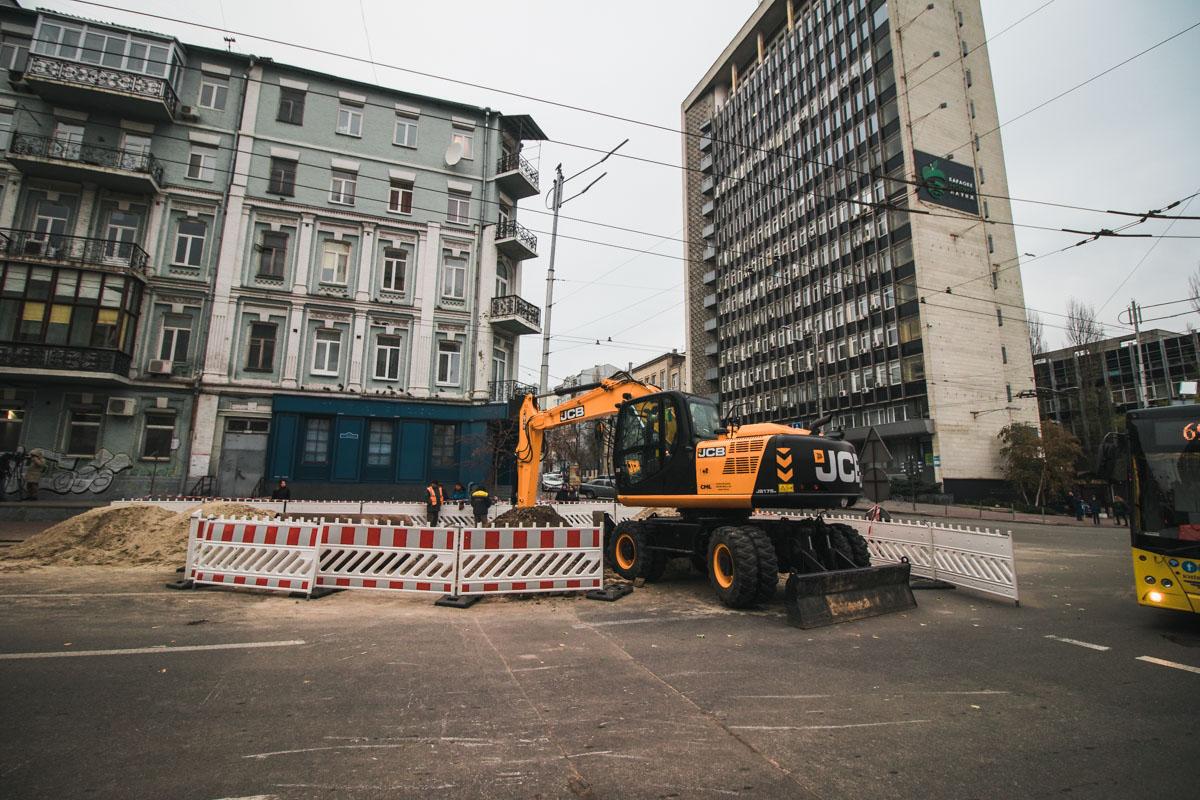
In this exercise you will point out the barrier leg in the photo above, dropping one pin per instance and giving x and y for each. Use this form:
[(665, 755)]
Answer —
[(610, 593), (186, 581), (458, 600)]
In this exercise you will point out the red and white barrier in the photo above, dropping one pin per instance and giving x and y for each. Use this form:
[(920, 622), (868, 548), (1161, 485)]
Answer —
[(501, 560), (255, 553), (388, 558)]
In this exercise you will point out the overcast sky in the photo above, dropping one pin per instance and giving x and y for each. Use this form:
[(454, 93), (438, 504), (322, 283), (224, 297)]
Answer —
[(1127, 141)]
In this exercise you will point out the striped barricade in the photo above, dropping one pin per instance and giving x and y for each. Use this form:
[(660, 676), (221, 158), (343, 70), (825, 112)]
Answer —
[(388, 558), (501, 560), (256, 553)]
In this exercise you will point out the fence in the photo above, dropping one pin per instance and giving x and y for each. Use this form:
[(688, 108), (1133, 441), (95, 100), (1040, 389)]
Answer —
[(256, 553)]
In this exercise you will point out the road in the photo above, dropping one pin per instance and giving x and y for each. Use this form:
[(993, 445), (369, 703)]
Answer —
[(660, 695)]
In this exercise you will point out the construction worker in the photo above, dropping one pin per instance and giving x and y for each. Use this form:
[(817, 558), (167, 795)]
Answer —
[(435, 498), (481, 501), (34, 470)]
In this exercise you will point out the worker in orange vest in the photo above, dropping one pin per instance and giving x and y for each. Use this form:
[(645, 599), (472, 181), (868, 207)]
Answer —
[(435, 498)]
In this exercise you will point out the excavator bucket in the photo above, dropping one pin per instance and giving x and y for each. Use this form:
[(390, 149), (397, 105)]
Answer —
[(826, 598)]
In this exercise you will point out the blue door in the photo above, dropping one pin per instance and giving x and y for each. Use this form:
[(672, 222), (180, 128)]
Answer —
[(347, 448)]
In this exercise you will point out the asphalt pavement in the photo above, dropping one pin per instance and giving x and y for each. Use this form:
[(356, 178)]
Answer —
[(113, 687)]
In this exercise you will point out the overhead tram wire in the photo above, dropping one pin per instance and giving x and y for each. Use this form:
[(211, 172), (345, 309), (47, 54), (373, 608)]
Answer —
[(573, 107), (1142, 260)]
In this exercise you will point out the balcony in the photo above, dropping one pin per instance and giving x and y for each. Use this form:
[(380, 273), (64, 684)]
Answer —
[(516, 177), (709, 231), (92, 362), (709, 277), (515, 315), (129, 171), (707, 184), (708, 207), (503, 391), (706, 163), (126, 94), (77, 251), (710, 253), (515, 241)]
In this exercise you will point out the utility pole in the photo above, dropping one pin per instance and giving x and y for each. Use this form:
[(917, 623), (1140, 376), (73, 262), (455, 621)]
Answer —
[(556, 203), (1135, 319)]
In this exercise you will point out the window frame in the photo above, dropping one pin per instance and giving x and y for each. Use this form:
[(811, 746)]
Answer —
[(147, 427), (397, 195), (351, 112), (202, 163), (447, 269), (171, 329), (399, 270), (326, 426), (411, 128), (332, 345), (452, 349), (220, 89), (458, 207), (332, 247), (275, 255), (390, 347), (260, 343), (467, 140), (280, 181), (339, 179), (287, 94), (72, 423), (191, 242)]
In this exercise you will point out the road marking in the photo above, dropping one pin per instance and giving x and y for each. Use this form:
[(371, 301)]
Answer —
[(134, 651), (1076, 642), (61, 595), (824, 727), (641, 620), (1164, 663)]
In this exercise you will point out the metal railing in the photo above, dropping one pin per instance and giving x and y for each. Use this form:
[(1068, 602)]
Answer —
[(83, 250), (515, 161), (88, 154), (106, 78), (510, 305), (29, 355), (511, 229), (503, 391)]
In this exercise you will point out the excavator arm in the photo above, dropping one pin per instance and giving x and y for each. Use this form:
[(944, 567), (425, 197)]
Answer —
[(596, 402)]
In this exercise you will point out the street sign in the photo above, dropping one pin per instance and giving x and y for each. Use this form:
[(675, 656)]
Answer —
[(937, 461), (876, 486), (874, 452)]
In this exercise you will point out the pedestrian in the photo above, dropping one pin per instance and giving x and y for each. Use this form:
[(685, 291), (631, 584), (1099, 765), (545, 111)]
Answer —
[(481, 501), (1096, 509), (460, 495), (1075, 506), (34, 471), (282, 492), (7, 468), (1119, 510), (435, 498)]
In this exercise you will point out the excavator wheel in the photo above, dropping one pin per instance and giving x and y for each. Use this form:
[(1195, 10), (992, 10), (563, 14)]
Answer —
[(733, 567), (627, 553), (768, 563), (851, 544)]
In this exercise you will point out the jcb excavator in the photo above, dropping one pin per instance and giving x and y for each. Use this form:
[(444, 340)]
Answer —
[(672, 451)]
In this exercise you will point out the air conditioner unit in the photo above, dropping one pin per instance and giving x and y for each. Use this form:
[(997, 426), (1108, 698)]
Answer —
[(121, 406), (160, 366), (187, 114)]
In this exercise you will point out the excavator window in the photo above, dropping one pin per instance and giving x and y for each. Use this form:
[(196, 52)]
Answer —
[(705, 418), (644, 429)]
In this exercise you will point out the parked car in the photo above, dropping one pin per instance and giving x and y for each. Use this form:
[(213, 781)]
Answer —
[(551, 482), (605, 488)]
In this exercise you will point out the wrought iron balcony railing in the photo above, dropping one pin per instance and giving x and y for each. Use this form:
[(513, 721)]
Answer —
[(515, 161), (106, 78), (87, 154), (511, 229), (503, 391), (76, 250), (57, 357), (510, 305)]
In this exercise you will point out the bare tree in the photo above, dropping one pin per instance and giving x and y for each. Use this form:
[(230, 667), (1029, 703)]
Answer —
[(1037, 332), (1083, 327), (1194, 289)]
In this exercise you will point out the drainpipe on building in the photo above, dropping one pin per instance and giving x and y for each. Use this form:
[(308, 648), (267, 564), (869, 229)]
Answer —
[(477, 319)]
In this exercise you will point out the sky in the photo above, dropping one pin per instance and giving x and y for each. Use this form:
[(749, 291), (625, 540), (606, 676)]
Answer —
[(1126, 141)]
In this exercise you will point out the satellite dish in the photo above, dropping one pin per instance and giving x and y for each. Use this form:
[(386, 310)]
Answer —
[(454, 153)]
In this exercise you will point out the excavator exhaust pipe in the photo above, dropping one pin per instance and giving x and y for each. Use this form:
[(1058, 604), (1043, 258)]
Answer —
[(818, 599)]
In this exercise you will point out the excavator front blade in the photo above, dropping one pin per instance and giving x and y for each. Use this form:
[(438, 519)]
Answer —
[(817, 599)]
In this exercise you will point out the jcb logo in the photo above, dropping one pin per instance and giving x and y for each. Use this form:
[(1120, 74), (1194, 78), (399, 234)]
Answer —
[(570, 413), (831, 466), (711, 452)]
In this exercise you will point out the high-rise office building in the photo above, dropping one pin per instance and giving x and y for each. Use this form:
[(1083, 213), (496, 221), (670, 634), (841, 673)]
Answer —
[(848, 252)]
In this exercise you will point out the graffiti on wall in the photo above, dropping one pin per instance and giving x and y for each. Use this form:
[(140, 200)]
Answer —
[(71, 475)]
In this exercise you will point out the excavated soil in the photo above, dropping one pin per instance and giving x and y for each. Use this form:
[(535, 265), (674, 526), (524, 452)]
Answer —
[(126, 536), (539, 516)]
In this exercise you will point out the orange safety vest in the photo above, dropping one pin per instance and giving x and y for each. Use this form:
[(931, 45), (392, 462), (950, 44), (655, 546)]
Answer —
[(435, 498)]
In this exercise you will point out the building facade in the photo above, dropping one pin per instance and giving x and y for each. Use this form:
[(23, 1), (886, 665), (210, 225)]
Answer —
[(666, 371), (835, 187), (220, 270)]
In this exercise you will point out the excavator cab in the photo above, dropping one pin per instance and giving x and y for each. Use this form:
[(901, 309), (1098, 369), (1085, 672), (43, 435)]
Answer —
[(656, 438)]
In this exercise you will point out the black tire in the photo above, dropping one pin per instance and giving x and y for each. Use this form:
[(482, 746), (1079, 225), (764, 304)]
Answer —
[(656, 565), (733, 567), (851, 544), (627, 553), (768, 563)]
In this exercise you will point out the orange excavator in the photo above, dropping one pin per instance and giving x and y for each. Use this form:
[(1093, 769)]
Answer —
[(672, 450)]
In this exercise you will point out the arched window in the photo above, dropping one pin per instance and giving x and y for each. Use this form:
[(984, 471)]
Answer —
[(503, 277)]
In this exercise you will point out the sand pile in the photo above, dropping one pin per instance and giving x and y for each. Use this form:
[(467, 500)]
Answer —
[(126, 536), (530, 516)]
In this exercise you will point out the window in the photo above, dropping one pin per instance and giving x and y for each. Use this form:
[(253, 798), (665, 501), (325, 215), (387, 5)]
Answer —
[(977, 142), (971, 104), (335, 262), (1008, 390), (387, 358), (406, 133), (379, 443), (283, 177), (892, 334), (213, 93), (272, 254), (499, 364), (121, 235), (291, 106), (316, 441), (202, 163), (11, 420), (160, 430), (243, 425), (464, 140), (400, 198), (449, 363), (458, 208), (349, 120), (176, 335), (83, 432), (342, 187), (6, 127), (189, 242), (443, 446), (503, 270), (327, 352), (260, 355), (1003, 354), (968, 78), (991, 244), (395, 263), (14, 53), (1000, 317), (454, 277)]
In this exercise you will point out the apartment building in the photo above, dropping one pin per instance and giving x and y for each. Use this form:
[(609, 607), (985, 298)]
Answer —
[(277, 272), (838, 180), (665, 371)]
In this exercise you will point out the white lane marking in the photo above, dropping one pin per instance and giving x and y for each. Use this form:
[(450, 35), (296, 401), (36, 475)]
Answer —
[(1164, 663), (641, 620), (60, 595), (253, 797), (135, 651), (1076, 642), (607, 754), (825, 727), (892, 694), (261, 756)]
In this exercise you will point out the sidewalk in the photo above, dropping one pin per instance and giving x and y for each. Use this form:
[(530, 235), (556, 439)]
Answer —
[(987, 513)]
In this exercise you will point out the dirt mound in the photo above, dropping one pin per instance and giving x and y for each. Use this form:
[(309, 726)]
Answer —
[(530, 516), (647, 513)]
